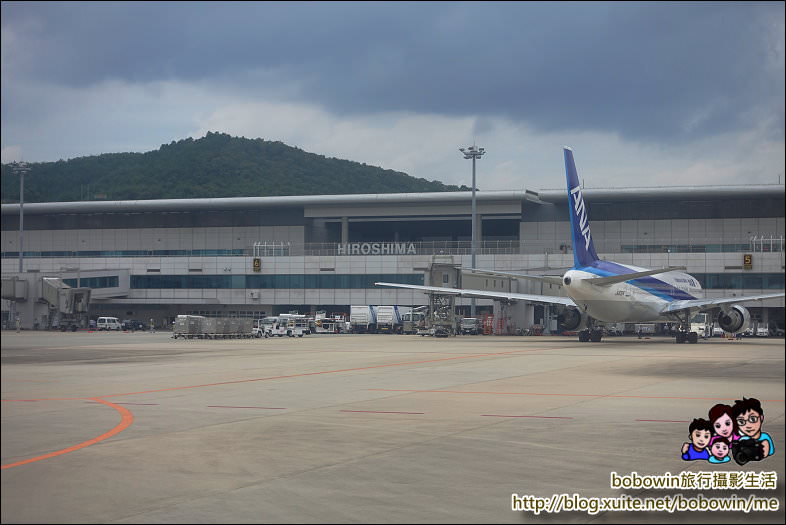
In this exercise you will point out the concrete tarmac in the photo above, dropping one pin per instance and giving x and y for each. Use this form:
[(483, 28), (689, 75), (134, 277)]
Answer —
[(142, 428)]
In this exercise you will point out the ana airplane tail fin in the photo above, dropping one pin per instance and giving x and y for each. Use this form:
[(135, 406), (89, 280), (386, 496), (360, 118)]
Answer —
[(583, 248)]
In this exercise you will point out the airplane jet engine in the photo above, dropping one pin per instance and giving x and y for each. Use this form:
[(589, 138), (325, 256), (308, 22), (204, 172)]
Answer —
[(735, 320), (572, 320)]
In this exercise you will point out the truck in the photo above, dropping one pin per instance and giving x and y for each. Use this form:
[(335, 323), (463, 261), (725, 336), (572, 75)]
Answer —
[(389, 318), (414, 320), (701, 324), (363, 319)]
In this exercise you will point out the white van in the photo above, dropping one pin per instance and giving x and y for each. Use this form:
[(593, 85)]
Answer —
[(108, 323)]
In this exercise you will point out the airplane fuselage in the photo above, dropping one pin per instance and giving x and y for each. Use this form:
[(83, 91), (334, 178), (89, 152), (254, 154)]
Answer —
[(638, 300)]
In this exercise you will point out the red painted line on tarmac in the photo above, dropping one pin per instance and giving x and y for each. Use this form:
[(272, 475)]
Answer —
[(126, 418), (262, 408), (538, 417), (96, 402), (44, 399), (561, 395), (661, 421), (305, 374), (380, 412), (512, 352)]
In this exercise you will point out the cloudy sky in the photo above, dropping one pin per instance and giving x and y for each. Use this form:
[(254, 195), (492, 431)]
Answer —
[(647, 94)]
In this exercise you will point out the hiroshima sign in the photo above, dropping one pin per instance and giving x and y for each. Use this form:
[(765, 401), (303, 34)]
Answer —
[(377, 248)]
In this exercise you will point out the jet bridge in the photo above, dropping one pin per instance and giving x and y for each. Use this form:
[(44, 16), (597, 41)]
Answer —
[(67, 306), (45, 302)]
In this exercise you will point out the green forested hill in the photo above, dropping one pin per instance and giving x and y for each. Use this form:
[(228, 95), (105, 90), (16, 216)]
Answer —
[(217, 165)]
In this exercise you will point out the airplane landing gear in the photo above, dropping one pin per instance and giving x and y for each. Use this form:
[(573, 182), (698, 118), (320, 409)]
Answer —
[(687, 337), (590, 335), (591, 332), (683, 334)]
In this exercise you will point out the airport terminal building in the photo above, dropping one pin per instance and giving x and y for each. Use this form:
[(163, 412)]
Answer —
[(258, 256)]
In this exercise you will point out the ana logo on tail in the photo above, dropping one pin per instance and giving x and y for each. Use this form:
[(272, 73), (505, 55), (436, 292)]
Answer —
[(581, 216)]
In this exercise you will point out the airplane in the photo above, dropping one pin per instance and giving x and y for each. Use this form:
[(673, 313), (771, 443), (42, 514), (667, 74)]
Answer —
[(607, 291)]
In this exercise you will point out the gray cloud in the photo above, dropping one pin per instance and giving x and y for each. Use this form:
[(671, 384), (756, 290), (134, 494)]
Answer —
[(648, 71), (702, 83)]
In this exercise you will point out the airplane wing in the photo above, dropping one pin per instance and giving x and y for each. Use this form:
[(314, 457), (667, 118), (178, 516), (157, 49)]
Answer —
[(484, 294), (548, 279), (707, 304), (613, 279)]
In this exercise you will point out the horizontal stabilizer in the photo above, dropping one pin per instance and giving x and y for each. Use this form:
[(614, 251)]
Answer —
[(613, 279)]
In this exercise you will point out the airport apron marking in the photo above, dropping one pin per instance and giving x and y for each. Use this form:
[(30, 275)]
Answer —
[(126, 418)]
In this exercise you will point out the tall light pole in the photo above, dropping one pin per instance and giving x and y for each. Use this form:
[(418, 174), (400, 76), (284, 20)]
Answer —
[(474, 153), (21, 168)]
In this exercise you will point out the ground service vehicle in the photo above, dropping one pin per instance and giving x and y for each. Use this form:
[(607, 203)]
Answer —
[(701, 324), (108, 323), (328, 325), (412, 321), (389, 318), (133, 325), (470, 326), (273, 325), (363, 319), (297, 325), (257, 329)]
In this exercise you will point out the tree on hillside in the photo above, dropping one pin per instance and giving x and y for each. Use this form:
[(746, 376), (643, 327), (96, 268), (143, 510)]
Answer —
[(216, 165)]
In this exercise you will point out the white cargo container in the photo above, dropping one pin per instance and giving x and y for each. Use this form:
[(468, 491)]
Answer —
[(188, 326), (200, 327), (645, 329)]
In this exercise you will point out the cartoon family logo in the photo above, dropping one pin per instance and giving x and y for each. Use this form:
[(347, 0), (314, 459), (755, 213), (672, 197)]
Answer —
[(731, 431)]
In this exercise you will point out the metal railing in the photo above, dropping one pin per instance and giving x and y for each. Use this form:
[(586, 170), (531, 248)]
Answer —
[(757, 243), (407, 248), (765, 243)]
